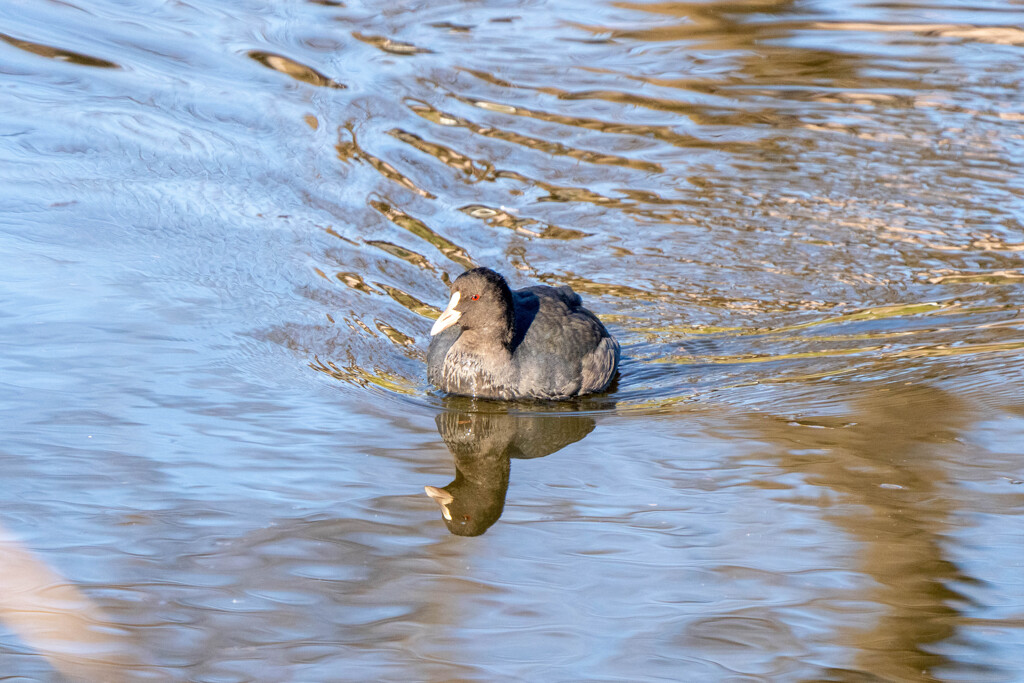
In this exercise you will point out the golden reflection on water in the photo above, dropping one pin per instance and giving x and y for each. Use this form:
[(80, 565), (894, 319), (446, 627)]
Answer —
[(997, 35), (418, 228), (448, 157), (353, 373), (350, 149), (524, 226), (57, 53), (545, 146), (882, 460), (667, 134), (296, 70), (394, 47), (407, 255), (410, 302)]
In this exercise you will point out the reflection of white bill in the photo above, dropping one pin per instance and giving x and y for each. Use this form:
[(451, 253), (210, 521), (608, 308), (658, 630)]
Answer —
[(56, 619)]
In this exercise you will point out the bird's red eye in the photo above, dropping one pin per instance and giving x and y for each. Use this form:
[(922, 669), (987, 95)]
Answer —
[(475, 297)]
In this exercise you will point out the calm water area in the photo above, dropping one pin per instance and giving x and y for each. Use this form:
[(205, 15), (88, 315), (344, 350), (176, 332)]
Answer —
[(226, 227)]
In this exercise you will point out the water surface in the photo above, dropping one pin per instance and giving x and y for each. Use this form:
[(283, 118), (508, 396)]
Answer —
[(226, 228)]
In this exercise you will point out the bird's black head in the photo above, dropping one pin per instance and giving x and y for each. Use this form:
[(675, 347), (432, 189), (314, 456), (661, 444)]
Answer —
[(481, 301)]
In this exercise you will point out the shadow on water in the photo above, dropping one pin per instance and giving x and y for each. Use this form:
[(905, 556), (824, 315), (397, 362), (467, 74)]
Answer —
[(57, 619), (882, 462), (483, 437)]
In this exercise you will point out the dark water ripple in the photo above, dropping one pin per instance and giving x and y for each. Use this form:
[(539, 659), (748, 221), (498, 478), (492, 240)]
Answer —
[(226, 230)]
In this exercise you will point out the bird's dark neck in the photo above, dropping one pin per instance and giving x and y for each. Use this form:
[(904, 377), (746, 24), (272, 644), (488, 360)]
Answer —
[(497, 336), (506, 323), (508, 330)]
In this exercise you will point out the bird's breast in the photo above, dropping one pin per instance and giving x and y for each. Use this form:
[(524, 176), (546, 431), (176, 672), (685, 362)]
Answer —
[(472, 374)]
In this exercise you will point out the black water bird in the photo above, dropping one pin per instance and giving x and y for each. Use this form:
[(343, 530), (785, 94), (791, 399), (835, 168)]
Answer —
[(533, 343)]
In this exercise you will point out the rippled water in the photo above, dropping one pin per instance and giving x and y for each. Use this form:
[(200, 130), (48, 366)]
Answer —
[(227, 226)]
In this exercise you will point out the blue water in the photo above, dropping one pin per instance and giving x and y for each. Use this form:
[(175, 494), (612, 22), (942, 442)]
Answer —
[(225, 229)]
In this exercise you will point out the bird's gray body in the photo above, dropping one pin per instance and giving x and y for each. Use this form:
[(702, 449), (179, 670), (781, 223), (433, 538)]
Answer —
[(559, 350)]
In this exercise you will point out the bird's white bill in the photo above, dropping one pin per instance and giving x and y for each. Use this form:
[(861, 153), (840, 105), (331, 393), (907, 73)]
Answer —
[(442, 498), (449, 317)]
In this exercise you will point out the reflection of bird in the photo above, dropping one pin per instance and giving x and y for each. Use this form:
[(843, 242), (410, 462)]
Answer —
[(482, 444), (537, 342)]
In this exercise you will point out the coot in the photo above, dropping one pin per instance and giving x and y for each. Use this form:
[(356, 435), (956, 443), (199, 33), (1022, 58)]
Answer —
[(537, 342)]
